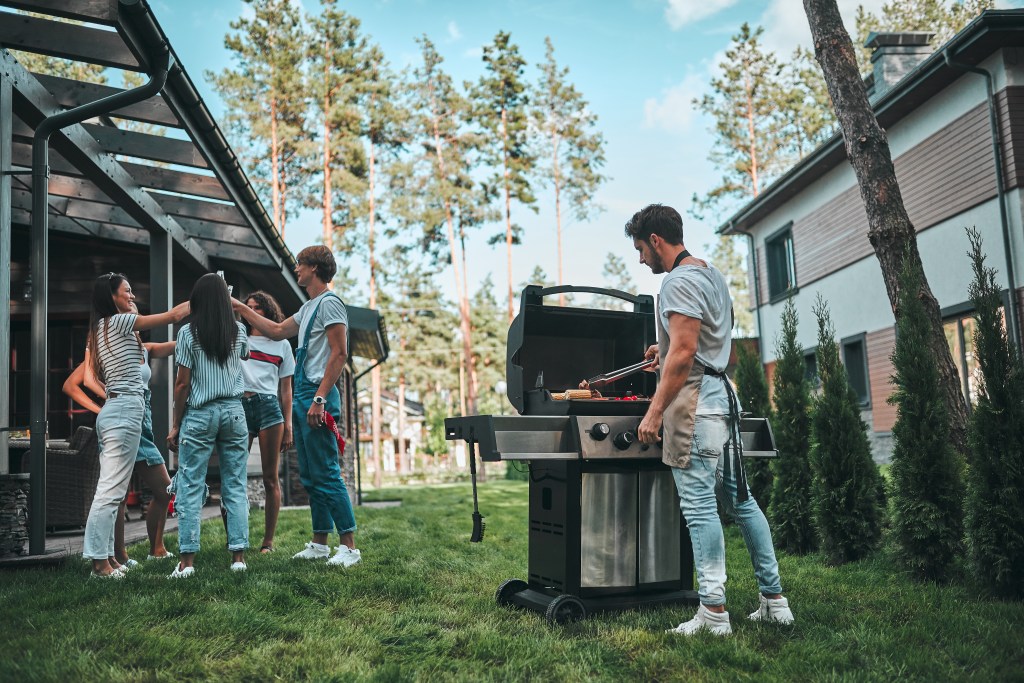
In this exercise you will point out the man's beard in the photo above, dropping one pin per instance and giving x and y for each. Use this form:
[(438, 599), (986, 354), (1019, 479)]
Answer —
[(657, 264)]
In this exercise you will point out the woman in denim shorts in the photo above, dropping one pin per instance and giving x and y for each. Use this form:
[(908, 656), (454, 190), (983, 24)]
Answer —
[(267, 375)]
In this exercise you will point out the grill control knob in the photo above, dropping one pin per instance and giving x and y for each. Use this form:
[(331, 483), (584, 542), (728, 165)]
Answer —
[(624, 440), (600, 431)]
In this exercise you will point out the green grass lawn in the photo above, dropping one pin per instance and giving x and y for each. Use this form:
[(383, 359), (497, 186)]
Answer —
[(421, 607)]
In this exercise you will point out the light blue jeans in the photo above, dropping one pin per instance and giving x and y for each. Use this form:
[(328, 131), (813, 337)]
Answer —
[(218, 424), (118, 429), (699, 486)]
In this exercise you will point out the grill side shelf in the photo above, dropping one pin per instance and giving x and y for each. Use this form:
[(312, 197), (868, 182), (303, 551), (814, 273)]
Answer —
[(515, 437)]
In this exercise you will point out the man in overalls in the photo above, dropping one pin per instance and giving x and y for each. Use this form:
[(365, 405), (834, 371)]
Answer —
[(322, 327), (694, 412)]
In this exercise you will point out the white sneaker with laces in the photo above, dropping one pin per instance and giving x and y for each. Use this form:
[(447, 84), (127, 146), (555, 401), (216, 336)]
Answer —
[(129, 564), (773, 609), (713, 622), (345, 557), (182, 572), (313, 551), (238, 566), (159, 557)]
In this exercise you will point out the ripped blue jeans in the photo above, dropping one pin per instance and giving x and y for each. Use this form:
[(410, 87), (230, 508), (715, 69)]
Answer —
[(699, 486)]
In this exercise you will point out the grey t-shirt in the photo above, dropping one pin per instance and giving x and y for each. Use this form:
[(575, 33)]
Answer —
[(332, 312), (702, 293)]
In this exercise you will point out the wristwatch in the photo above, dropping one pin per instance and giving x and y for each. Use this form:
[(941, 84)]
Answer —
[(319, 400)]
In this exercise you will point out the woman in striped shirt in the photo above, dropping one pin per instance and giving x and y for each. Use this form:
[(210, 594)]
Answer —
[(208, 414), (117, 362)]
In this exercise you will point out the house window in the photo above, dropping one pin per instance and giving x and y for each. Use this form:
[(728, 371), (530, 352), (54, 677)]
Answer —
[(811, 367), (959, 326), (781, 263), (855, 358)]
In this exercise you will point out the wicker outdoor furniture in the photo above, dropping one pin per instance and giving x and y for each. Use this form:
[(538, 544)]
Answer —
[(71, 476)]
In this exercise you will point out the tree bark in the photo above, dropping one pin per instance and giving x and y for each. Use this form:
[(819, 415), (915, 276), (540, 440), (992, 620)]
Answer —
[(328, 227), (750, 131), (508, 212), (558, 208), (275, 160), (375, 373), (890, 231)]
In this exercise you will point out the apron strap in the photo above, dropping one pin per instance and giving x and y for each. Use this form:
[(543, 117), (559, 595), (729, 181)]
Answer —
[(734, 436)]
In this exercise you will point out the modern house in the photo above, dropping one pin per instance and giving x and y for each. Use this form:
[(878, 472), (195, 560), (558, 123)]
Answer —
[(162, 208), (949, 114)]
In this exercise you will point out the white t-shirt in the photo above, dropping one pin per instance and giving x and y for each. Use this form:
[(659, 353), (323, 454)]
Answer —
[(147, 372), (268, 362), (702, 293), (120, 354), (332, 312)]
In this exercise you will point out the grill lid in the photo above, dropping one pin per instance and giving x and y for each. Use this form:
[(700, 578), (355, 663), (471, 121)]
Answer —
[(552, 348)]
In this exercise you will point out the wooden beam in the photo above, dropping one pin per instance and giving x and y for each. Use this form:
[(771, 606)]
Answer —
[(93, 11), (34, 103), (71, 93), (145, 146), (176, 181), (240, 254), (67, 186), (67, 41), (220, 232), (188, 207), (21, 153)]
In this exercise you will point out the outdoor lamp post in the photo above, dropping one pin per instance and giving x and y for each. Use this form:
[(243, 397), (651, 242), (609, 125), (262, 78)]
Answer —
[(501, 389)]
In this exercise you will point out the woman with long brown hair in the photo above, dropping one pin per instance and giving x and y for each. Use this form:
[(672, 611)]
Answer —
[(208, 414), (268, 404), (117, 355)]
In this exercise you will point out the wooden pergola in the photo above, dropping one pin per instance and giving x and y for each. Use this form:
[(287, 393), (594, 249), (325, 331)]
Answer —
[(176, 205)]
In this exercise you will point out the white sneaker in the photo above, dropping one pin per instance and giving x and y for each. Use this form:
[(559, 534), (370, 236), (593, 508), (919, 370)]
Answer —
[(345, 557), (313, 551), (238, 566), (159, 557), (129, 564), (182, 573), (773, 609), (713, 622)]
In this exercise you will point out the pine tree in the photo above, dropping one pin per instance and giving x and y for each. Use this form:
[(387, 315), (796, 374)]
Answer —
[(848, 490), (790, 506), (616, 276), (731, 262), (570, 143), (995, 507), (57, 66), (752, 390), (926, 472), (501, 109)]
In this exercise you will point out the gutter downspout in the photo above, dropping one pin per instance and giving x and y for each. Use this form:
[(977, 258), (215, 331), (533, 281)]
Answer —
[(997, 152), (40, 267)]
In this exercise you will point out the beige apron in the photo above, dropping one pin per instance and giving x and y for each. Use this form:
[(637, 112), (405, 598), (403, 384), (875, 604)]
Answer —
[(681, 413)]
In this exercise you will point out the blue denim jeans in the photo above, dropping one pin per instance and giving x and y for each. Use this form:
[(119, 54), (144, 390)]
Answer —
[(148, 452), (218, 424), (699, 486), (118, 429), (319, 470)]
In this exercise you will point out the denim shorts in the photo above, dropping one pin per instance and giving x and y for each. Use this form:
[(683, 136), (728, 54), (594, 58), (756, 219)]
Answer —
[(148, 452), (262, 411)]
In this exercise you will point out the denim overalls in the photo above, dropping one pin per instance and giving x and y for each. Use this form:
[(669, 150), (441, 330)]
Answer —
[(317, 449)]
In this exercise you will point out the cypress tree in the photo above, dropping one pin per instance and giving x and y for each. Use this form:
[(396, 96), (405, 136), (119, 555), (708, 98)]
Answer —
[(752, 389), (790, 508), (995, 474), (927, 472), (848, 491)]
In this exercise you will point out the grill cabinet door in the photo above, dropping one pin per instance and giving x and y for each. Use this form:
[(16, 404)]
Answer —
[(608, 534)]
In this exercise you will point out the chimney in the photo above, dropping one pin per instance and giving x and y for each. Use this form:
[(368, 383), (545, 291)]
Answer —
[(895, 55)]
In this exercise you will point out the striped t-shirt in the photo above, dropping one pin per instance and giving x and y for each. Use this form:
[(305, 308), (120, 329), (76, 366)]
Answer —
[(120, 354), (210, 380)]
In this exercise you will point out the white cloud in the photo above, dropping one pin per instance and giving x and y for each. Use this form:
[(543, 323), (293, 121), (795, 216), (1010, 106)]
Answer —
[(785, 24), (674, 110), (454, 33), (474, 52), (679, 13)]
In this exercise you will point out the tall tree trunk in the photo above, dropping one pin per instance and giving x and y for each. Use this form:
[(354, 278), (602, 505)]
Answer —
[(328, 226), (558, 208), (275, 161), (750, 131), (890, 231), (508, 210), (403, 460), (375, 373)]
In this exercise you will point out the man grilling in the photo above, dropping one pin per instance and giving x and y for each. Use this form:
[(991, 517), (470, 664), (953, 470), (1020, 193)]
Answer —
[(696, 408)]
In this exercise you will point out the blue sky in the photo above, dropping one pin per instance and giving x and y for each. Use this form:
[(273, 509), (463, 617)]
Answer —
[(638, 62)]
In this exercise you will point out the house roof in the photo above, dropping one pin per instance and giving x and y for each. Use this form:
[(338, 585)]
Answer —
[(368, 336), (117, 184), (992, 30)]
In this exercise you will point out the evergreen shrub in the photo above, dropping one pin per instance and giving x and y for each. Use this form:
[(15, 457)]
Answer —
[(790, 508), (927, 472), (995, 473), (848, 490)]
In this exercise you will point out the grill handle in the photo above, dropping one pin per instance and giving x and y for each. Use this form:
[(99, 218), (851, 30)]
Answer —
[(635, 299)]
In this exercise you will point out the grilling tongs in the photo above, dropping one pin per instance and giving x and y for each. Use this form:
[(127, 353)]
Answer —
[(609, 377)]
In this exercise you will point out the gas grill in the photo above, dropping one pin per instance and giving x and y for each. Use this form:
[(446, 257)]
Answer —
[(605, 530)]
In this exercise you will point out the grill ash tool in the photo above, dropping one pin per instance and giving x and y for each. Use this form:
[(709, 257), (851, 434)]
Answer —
[(478, 520)]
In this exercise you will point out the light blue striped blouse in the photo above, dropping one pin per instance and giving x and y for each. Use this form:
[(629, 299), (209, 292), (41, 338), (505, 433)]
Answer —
[(210, 380)]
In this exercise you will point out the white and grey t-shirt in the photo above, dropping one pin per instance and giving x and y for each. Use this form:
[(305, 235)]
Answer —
[(703, 293), (268, 363), (120, 354), (332, 312)]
